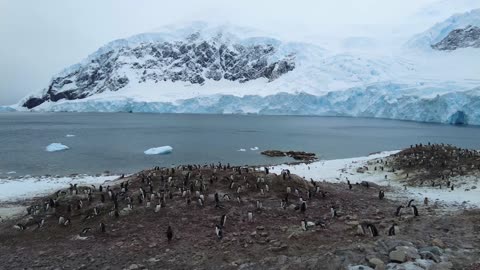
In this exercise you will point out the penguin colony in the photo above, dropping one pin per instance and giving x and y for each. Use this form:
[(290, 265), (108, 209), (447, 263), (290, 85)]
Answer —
[(196, 188)]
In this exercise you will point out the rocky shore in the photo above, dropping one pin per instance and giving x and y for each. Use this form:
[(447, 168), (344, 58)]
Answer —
[(273, 221), (297, 155)]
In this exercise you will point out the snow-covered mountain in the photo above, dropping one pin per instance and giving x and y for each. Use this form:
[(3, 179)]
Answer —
[(200, 68)]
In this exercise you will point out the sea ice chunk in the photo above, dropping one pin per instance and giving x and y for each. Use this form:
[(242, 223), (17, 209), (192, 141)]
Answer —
[(241, 150), (254, 148), (69, 135), (53, 147), (162, 150)]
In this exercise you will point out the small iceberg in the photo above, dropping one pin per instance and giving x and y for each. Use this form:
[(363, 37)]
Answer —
[(162, 150), (54, 147), (241, 150), (69, 135), (254, 148)]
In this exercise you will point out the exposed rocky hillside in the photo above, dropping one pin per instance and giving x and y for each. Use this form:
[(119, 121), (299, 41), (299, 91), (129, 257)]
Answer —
[(468, 37)]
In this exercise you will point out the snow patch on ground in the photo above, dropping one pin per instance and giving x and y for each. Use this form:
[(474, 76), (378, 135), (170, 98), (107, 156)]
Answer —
[(54, 147), (13, 189), (341, 170), (162, 150)]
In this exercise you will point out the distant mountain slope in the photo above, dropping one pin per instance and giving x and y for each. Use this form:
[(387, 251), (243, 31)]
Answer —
[(440, 31), (469, 37)]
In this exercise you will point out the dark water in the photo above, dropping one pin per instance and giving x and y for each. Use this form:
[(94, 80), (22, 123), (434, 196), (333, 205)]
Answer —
[(116, 141)]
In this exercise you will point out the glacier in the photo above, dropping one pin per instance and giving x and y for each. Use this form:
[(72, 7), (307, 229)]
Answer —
[(200, 68)]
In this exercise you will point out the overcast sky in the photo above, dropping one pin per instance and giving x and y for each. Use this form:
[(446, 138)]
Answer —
[(40, 38)]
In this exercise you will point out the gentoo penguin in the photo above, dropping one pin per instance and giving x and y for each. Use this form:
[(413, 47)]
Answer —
[(239, 200), (303, 224), (349, 186), (226, 197), (398, 212), (333, 212), (67, 222), (218, 231), (157, 208), (217, 200), (451, 187), (169, 233), (223, 220), (303, 207), (20, 227), (372, 229), (84, 231), (425, 201), (392, 230), (259, 205), (250, 216), (415, 210), (289, 190), (410, 202), (102, 227), (283, 204), (61, 220), (381, 194)]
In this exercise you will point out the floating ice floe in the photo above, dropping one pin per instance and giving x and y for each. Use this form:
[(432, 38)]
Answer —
[(162, 150), (254, 148), (54, 147), (241, 150), (69, 135)]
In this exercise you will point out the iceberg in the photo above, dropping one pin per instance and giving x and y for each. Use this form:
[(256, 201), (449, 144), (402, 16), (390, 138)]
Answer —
[(241, 150), (54, 147), (162, 150), (254, 148), (69, 135)]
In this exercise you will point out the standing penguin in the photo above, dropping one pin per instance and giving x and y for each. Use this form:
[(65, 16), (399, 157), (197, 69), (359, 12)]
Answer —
[(303, 207), (381, 194), (250, 216), (218, 232), (333, 212), (223, 220), (415, 211), (102, 227), (398, 212), (373, 230), (169, 233), (392, 230)]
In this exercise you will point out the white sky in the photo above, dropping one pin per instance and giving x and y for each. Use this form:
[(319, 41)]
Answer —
[(40, 38)]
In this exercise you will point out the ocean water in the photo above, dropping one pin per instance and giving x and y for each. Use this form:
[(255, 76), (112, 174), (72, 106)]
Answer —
[(116, 142)]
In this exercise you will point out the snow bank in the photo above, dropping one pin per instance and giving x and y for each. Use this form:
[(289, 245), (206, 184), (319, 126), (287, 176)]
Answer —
[(54, 147), (12, 189), (341, 170), (162, 150)]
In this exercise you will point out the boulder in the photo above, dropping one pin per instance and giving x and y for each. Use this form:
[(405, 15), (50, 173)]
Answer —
[(398, 256)]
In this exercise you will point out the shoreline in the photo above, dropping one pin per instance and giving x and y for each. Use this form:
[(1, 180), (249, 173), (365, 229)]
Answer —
[(28, 187)]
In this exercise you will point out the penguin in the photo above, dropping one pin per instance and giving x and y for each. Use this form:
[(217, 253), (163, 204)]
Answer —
[(148, 204), (226, 197), (391, 231), (283, 204), (381, 194), (425, 201), (410, 202), (349, 186), (102, 227), (217, 200), (239, 200), (223, 220), (95, 211), (303, 224), (218, 232), (19, 227), (61, 220), (40, 223), (333, 212), (169, 234), (85, 231), (250, 216), (373, 230), (451, 187), (289, 190), (259, 205), (157, 208), (102, 198), (200, 202), (303, 207), (398, 212), (415, 211), (360, 230), (67, 222), (100, 188)]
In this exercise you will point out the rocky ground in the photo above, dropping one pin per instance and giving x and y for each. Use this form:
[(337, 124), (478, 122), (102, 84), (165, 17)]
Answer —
[(273, 239)]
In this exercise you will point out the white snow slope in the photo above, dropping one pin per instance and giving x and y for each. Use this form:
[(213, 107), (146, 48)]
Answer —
[(418, 83)]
